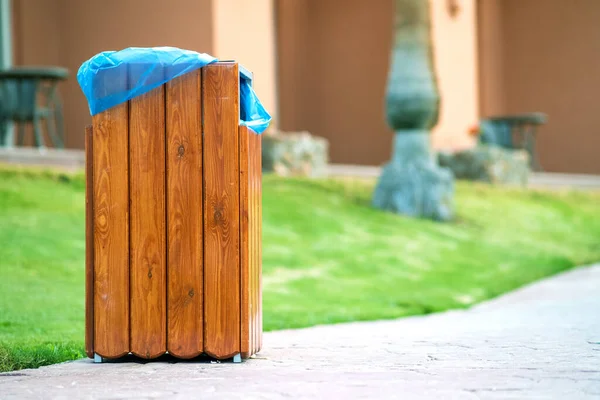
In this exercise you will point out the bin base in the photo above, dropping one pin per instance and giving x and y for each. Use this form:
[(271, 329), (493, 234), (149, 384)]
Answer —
[(98, 359)]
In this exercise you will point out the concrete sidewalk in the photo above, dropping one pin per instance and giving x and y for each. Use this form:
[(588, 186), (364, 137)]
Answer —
[(64, 159), (540, 342), (74, 160), (537, 180)]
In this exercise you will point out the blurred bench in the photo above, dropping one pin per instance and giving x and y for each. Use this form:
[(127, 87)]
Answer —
[(513, 132)]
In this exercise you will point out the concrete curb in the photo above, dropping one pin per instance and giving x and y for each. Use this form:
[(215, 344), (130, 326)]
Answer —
[(69, 159)]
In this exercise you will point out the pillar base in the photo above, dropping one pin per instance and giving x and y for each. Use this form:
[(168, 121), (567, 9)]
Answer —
[(413, 184)]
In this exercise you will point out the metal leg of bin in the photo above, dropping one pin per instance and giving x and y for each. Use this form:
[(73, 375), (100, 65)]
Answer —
[(237, 358), (98, 358)]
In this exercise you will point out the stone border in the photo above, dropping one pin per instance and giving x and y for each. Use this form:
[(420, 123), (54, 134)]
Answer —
[(75, 159), (67, 159), (536, 179)]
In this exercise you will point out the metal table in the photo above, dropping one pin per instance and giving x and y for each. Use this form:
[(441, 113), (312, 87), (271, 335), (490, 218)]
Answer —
[(28, 95)]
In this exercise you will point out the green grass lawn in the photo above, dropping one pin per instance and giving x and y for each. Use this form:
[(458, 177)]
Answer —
[(328, 256)]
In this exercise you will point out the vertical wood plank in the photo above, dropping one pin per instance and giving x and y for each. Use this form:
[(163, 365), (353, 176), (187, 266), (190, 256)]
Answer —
[(255, 184), (251, 223), (259, 240), (89, 243), (220, 94), (111, 232), (246, 307), (147, 224), (253, 242), (184, 216)]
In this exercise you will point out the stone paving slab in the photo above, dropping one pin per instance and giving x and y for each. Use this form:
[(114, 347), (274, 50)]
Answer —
[(540, 342)]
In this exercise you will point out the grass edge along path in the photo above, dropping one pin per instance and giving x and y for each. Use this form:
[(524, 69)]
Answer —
[(328, 257)]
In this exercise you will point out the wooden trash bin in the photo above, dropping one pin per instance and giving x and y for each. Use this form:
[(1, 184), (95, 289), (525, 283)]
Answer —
[(173, 223)]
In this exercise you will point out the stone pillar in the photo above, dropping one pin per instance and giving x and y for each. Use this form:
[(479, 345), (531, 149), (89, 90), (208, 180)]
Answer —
[(412, 183)]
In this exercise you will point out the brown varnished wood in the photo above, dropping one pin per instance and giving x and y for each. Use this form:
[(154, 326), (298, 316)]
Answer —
[(253, 240), (220, 93), (111, 232), (174, 223), (246, 305), (148, 312), (259, 241), (184, 216), (256, 183), (250, 240), (89, 243)]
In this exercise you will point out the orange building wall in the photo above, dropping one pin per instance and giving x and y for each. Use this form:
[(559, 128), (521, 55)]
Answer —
[(490, 35), (333, 63), (552, 64), (456, 64), (328, 69), (68, 32), (544, 55), (244, 30)]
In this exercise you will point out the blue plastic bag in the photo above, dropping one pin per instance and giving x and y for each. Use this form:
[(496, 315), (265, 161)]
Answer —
[(253, 114), (114, 77)]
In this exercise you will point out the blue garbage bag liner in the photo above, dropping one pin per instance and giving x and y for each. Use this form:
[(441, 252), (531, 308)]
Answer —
[(114, 77)]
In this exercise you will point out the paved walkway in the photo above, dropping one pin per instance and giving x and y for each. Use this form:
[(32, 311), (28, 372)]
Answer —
[(541, 342), (74, 160), (67, 159), (541, 180)]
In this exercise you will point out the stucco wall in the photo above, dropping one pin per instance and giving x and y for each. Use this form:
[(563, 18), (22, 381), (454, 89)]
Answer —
[(293, 64), (333, 64), (551, 62), (332, 72), (244, 30), (456, 62), (491, 57), (67, 32)]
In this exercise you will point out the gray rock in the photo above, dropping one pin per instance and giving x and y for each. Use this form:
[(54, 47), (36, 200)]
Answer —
[(294, 154), (491, 164)]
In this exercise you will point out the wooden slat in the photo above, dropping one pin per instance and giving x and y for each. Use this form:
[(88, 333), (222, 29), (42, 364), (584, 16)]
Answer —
[(253, 238), (251, 245), (260, 246), (184, 216), (220, 94), (259, 239), (256, 183), (147, 224), (246, 305), (111, 232), (89, 243)]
